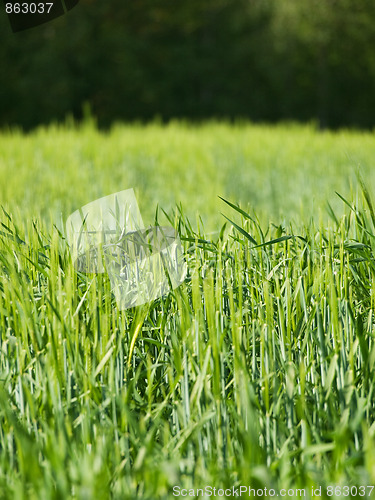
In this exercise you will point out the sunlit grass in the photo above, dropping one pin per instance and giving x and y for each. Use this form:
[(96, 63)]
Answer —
[(285, 171), (258, 370)]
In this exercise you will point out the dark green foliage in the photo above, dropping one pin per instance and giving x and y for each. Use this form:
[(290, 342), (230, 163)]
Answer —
[(260, 59)]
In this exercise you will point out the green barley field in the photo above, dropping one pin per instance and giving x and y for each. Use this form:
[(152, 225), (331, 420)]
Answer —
[(258, 371)]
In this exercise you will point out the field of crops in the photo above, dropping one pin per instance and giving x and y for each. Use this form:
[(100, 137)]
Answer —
[(257, 371)]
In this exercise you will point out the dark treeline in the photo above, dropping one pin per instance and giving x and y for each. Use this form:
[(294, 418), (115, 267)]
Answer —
[(265, 60)]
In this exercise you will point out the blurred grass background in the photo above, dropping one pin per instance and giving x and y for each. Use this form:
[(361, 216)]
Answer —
[(286, 171)]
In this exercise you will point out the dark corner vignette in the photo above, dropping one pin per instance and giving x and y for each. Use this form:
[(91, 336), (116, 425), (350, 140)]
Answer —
[(25, 14)]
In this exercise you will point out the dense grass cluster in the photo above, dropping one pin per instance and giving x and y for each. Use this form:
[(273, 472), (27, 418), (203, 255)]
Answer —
[(258, 370)]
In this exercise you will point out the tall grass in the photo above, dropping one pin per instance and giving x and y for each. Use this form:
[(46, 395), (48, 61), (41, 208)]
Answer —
[(258, 370)]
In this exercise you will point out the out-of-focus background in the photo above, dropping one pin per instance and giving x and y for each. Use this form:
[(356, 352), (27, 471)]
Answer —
[(268, 103), (263, 60)]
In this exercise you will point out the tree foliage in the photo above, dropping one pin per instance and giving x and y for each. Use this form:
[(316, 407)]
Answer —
[(264, 60)]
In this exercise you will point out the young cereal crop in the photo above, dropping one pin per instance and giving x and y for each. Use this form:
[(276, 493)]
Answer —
[(258, 370)]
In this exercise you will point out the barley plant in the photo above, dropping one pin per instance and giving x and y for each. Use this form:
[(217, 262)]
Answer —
[(258, 370)]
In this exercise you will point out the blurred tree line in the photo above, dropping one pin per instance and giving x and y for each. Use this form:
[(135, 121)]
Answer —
[(265, 60)]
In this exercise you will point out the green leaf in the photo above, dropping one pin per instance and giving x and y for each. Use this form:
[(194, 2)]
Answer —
[(242, 231), (272, 242)]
